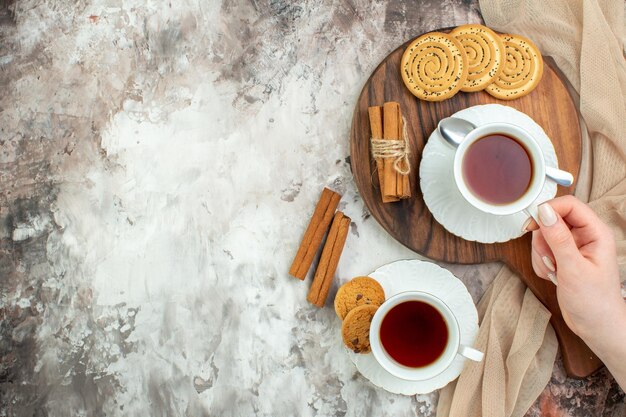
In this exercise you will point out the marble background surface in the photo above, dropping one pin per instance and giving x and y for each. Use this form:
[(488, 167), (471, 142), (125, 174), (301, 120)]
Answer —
[(158, 161)]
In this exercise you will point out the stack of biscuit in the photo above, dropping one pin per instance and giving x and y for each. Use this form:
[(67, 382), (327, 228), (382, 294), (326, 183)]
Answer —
[(356, 303), (437, 65)]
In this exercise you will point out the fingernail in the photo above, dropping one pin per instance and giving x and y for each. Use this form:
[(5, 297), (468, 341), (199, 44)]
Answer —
[(548, 263), (552, 278), (526, 224), (547, 216)]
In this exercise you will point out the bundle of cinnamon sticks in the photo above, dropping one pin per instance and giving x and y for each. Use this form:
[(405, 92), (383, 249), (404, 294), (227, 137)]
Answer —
[(319, 224), (386, 123)]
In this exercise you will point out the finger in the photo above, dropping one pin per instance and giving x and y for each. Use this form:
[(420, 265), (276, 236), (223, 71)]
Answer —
[(557, 235), (575, 212), (581, 238), (600, 251), (584, 236), (570, 208), (530, 225), (591, 235), (587, 246), (543, 250), (540, 268)]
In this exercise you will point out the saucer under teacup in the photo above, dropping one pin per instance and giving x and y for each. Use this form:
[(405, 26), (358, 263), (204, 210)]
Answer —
[(415, 275), (443, 197)]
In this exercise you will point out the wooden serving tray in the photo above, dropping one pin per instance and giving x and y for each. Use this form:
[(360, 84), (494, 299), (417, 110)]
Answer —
[(410, 222)]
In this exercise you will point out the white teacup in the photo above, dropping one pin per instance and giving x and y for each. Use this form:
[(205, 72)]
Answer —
[(525, 203), (452, 348)]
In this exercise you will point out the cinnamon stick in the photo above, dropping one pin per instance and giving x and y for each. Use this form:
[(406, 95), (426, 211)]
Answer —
[(329, 260), (406, 187), (376, 126), (312, 239), (391, 112)]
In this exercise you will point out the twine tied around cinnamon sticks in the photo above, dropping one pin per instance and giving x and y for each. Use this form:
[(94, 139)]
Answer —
[(399, 150), (390, 150)]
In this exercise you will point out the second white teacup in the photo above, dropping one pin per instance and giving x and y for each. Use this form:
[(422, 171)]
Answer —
[(415, 336)]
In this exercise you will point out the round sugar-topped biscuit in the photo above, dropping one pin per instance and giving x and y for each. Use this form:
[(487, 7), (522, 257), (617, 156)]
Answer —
[(485, 55), (522, 70), (434, 66)]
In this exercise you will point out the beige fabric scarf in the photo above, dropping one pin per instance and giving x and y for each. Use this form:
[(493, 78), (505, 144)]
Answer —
[(586, 38)]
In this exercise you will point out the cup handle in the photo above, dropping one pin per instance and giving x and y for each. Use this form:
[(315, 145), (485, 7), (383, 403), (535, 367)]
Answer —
[(533, 211), (471, 353)]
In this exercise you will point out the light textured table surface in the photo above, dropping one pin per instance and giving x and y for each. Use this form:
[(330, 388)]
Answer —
[(158, 162)]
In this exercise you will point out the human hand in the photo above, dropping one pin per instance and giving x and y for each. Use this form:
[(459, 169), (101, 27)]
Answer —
[(573, 248)]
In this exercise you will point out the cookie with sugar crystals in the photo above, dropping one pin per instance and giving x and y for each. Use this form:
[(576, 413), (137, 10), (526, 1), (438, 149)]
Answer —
[(356, 292), (523, 68), (434, 66), (356, 328), (485, 55)]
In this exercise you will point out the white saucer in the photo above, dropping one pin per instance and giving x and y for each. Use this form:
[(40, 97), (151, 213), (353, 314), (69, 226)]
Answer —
[(417, 275), (443, 198)]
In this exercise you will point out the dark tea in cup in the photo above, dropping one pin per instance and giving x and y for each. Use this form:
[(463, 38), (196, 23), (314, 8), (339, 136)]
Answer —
[(497, 169), (414, 334)]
